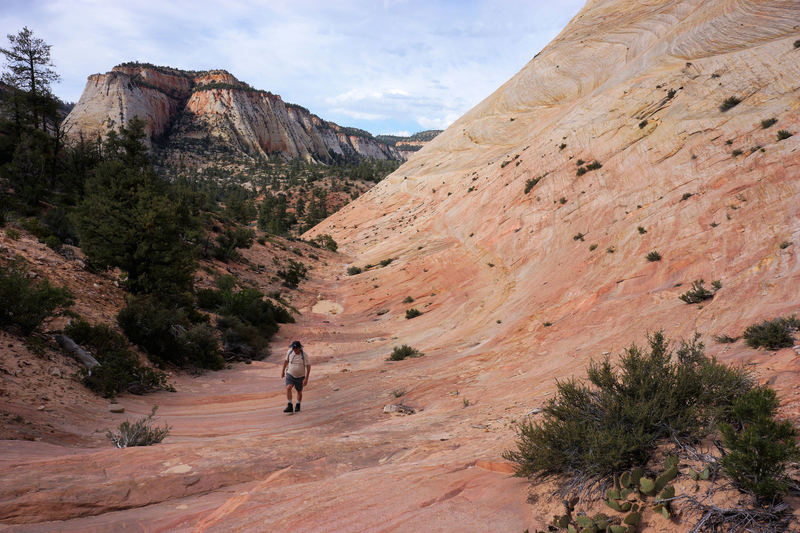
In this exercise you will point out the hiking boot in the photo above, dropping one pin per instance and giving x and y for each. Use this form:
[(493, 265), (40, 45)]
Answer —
[(288, 408), (297, 408)]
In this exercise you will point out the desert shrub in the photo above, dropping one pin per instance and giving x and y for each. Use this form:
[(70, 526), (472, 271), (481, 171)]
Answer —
[(120, 369), (785, 244), (783, 134), (641, 230), (293, 274), (58, 223), (12, 234), (353, 270), (581, 171), (386, 262), (26, 303), (759, 447), (562, 200), (686, 196), (642, 124), (229, 241), (209, 299), (697, 293), (653, 256), (671, 94), (592, 247), (594, 165), (403, 352), (578, 237), (530, 183), (35, 227), (729, 103), (247, 321), (243, 340), (591, 431), (412, 313), (736, 153), (772, 334), (167, 335), (408, 300), (326, 241), (767, 122), (139, 433), (562, 146)]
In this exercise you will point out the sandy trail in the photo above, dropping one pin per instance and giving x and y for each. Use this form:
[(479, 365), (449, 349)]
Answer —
[(235, 462)]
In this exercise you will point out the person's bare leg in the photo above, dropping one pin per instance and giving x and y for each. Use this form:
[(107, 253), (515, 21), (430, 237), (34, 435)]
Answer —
[(289, 393), (299, 396)]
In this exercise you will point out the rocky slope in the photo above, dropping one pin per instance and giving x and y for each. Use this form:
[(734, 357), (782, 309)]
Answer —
[(410, 145), (489, 263), (196, 112)]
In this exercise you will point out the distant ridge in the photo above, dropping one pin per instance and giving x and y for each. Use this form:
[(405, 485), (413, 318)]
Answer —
[(210, 112)]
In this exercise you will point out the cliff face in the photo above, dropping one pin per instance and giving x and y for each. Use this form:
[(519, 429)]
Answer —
[(502, 217), (187, 109)]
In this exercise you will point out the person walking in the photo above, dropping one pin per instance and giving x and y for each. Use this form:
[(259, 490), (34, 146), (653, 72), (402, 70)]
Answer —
[(296, 368)]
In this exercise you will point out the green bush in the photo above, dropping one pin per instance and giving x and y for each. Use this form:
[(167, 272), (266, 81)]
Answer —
[(412, 313), (783, 134), (759, 447), (729, 103), (139, 433), (403, 352), (353, 270), (408, 300), (641, 230), (653, 256), (590, 432), (248, 321), (530, 183), (326, 241), (697, 293), (229, 241), (26, 303), (120, 369), (767, 122), (292, 275), (167, 334), (772, 334)]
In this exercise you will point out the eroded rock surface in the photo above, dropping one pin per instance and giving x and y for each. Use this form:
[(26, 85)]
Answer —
[(195, 111)]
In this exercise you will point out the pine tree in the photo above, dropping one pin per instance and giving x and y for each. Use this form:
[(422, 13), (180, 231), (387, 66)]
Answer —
[(132, 219), (29, 69)]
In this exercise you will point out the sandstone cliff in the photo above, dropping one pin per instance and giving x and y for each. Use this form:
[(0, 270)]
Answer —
[(188, 111)]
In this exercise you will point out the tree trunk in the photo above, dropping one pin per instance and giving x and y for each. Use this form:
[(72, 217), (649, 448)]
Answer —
[(84, 357)]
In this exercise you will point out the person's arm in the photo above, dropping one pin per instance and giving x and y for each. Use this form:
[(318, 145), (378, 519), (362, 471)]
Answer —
[(308, 371), (283, 370)]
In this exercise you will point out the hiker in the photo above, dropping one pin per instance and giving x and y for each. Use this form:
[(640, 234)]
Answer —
[(296, 374)]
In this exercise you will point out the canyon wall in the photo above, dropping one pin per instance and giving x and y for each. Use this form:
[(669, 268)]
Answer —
[(188, 110)]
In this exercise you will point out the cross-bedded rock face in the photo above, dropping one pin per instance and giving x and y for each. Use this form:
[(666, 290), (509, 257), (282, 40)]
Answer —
[(189, 110)]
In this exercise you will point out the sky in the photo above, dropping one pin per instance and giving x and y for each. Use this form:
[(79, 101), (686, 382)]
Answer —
[(386, 66)]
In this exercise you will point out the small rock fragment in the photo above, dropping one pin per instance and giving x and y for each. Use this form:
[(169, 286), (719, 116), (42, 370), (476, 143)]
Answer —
[(398, 408)]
